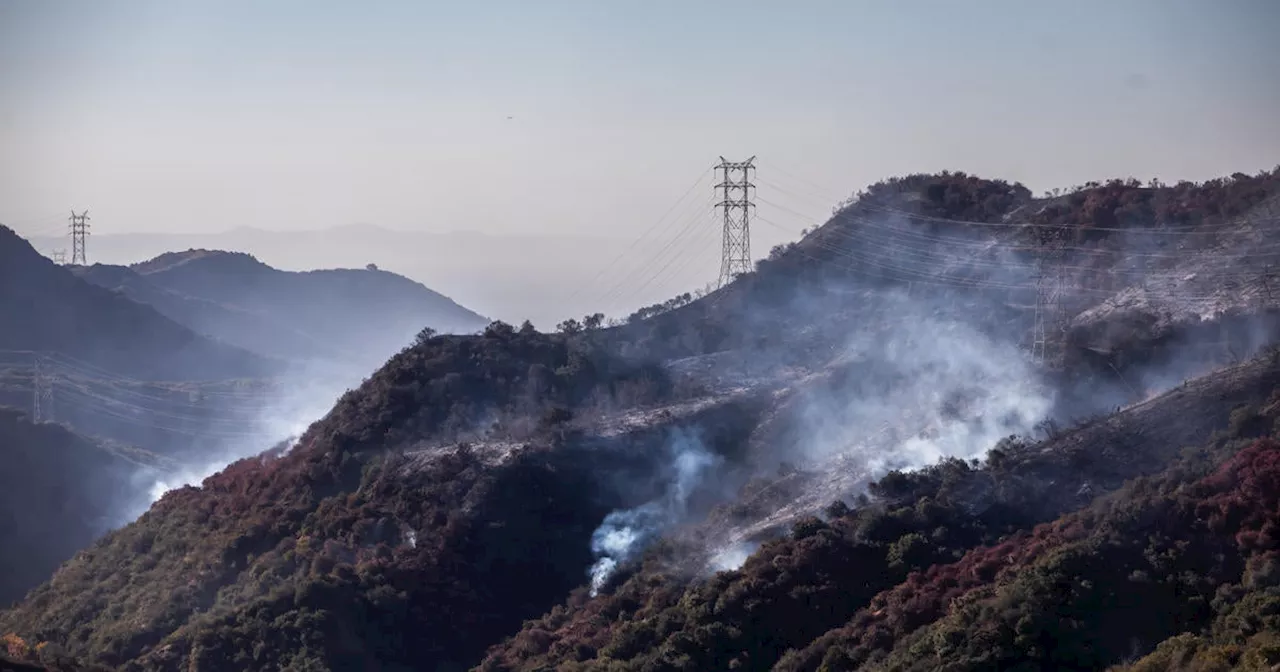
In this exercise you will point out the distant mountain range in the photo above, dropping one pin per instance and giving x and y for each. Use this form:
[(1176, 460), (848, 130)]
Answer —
[(204, 323), (357, 316), (540, 277), (48, 308), (144, 354)]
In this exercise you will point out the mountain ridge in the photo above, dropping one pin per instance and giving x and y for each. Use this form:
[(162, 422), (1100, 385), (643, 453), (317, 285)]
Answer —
[(236, 297), (48, 309)]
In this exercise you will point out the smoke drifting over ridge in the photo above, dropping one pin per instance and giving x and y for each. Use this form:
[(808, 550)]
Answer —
[(301, 396), (886, 394), (925, 358)]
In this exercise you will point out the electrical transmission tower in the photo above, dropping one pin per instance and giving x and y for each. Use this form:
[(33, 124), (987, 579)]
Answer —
[(42, 390), (1046, 347), (736, 254), (59, 257), (79, 232)]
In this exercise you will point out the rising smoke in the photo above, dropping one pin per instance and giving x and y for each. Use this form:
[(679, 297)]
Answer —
[(625, 533), (919, 389), (896, 394), (301, 396), (941, 371)]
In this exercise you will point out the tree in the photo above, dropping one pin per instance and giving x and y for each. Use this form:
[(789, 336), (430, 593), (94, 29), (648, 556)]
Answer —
[(569, 327), (593, 321), (499, 329), (423, 336)]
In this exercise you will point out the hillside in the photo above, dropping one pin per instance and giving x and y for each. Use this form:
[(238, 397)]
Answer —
[(406, 517), (854, 438), (351, 315), (792, 591), (56, 492), (47, 308), (244, 328)]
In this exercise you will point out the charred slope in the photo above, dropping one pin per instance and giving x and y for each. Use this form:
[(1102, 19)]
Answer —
[(353, 311), (1148, 260), (370, 543), (55, 488), (793, 590), (47, 308)]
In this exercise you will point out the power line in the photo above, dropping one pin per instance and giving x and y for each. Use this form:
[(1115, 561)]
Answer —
[(952, 241), (173, 415), (930, 250), (42, 390), (692, 187), (693, 221), (690, 252), (1049, 319)]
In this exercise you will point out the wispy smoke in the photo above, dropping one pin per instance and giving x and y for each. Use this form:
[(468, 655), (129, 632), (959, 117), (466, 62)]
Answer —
[(732, 556), (917, 383), (304, 395), (920, 389), (626, 533)]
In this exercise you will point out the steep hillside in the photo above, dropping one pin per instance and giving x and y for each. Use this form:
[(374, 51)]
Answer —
[(338, 518), (47, 308), (563, 501), (1167, 556), (971, 247), (791, 591), (361, 314), (56, 489)]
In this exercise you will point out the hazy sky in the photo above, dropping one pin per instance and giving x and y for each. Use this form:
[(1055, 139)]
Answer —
[(593, 117)]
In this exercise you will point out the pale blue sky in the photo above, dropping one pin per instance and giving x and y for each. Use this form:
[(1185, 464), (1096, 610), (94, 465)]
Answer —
[(176, 115)]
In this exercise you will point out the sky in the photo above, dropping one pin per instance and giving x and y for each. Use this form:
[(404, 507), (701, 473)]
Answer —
[(592, 118)]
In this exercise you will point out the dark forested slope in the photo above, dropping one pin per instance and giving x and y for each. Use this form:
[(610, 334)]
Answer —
[(56, 491), (429, 552), (831, 567)]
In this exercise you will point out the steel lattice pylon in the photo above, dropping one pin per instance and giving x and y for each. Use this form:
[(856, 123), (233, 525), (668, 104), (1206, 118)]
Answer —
[(736, 204)]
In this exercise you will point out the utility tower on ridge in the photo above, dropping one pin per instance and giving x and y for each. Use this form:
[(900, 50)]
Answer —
[(42, 389), (59, 257), (79, 232), (1046, 347), (736, 203)]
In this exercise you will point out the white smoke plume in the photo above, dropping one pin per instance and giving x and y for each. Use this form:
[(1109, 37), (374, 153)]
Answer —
[(732, 557), (917, 384), (929, 389), (302, 396), (625, 533)]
